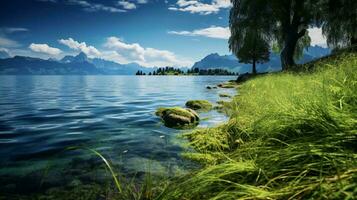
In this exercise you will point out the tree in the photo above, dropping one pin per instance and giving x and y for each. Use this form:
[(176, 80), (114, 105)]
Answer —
[(254, 50), (284, 22), (340, 22)]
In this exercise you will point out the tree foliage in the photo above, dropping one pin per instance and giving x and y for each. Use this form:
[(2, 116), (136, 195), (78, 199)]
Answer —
[(340, 22), (254, 50), (283, 22)]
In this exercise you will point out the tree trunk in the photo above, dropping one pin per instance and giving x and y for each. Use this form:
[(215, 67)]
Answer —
[(254, 69), (353, 41), (287, 54)]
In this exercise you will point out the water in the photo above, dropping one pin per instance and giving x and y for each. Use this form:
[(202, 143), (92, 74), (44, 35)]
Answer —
[(40, 116)]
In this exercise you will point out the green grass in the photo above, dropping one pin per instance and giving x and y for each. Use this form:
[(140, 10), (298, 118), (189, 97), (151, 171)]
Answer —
[(290, 136)]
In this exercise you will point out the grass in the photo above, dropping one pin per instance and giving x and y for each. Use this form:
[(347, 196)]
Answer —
[(290, 136)]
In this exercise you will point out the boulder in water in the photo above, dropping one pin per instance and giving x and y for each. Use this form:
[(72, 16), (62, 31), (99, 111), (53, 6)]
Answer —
[(177, 117), (202, 105)]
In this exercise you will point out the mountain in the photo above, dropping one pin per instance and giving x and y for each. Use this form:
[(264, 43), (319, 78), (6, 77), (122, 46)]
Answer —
[(68, 65), (113, 68), (230, 62), (20, 65), (4, 54), (216, 61), (80, 58)]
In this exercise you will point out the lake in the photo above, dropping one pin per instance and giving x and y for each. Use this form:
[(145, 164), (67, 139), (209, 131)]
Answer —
[(41, 116)]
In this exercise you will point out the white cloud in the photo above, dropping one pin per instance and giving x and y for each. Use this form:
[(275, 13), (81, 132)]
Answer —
[(90, 51), (44, 48), (4, 50), (9, 30), (197, 6), (94, 7), (127, 5), (124, 53), (316, 37), (211, 32), (6, 42)]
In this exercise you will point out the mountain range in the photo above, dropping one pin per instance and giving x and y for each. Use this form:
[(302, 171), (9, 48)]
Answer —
[(82, 65), (68, 65), (231, 63)]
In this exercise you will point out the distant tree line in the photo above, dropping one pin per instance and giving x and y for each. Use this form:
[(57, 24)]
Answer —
[(194, 71), (140, 73)]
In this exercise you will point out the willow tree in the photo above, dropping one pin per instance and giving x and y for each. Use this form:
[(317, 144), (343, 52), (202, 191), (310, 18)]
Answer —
[(340, 22), (284, 22), (254, 50)]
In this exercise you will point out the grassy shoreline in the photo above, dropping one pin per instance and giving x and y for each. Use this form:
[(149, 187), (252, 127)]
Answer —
[(290, 136)]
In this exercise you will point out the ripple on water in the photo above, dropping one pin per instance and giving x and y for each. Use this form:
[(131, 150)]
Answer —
[(112, 114)]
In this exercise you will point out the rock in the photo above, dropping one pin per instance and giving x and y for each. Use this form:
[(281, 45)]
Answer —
[(220, 102), (225, 95), (199, 105), (177, 117), (219, 108), (226, 85), (211, 87)]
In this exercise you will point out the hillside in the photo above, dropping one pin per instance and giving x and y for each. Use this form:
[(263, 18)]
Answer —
[(230, 62)]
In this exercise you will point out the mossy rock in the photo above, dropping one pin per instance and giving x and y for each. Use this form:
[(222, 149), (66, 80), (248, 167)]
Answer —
[(226, 85), (199, 105), (220, 102), (225, 95), (218, 107), (177, 117)]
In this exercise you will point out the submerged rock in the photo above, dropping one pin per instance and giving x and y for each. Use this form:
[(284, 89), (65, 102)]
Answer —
[(226, 85), (177, 117), (199, 105), (225, 95), (220, 102)]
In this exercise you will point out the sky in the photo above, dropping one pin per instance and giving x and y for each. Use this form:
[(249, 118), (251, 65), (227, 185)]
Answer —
[(149, 32)]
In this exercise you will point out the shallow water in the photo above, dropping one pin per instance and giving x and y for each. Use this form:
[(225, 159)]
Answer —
[(40, 116)]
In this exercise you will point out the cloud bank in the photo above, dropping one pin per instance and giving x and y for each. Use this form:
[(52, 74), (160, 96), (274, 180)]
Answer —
[(210, 32), (115, 49), (123, 52), (197, 6), (90, 51), (44, 48)]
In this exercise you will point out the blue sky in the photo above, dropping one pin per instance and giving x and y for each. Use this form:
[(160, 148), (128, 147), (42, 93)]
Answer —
[(149, 32)]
